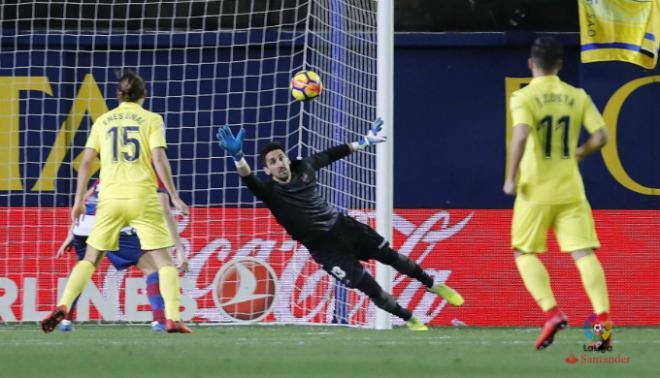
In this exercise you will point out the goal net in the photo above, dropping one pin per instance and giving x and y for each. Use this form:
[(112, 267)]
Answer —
[(206, 64)]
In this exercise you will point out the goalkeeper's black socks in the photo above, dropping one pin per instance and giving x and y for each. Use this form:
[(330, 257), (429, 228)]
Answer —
[(403, 264), (401, 312), (381, 298), (420, 275)]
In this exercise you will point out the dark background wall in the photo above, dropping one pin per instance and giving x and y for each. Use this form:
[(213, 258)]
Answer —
[(486, 15), (410, 15)]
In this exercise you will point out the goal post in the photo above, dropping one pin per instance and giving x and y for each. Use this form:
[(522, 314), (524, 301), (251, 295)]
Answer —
[(384, 154)]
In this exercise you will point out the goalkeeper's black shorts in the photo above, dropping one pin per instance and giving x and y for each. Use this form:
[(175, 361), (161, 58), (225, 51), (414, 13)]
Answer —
[(340, 250)]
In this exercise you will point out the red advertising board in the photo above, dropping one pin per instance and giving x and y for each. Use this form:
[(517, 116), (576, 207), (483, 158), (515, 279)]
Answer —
[(469, 249)]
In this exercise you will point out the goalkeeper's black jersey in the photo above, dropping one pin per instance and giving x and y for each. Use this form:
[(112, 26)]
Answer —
[(298, 206)]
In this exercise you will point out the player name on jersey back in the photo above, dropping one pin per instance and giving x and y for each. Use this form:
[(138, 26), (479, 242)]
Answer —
[(122, 116), (553, 98)]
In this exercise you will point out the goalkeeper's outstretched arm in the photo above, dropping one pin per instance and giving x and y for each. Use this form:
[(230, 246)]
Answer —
[(233, 145), (329, 156)]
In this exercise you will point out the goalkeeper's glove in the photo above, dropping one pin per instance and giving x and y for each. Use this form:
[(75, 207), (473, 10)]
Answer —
[(372, 136), (233, 145)]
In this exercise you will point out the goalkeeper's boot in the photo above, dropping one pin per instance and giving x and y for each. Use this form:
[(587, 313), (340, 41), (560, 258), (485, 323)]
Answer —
[(65, 326), (556, 322), (51, 321), (415, 324), (450, 295), (176, 327)]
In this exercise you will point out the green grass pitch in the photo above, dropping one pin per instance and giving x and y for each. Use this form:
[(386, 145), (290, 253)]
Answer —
[(296, 351)]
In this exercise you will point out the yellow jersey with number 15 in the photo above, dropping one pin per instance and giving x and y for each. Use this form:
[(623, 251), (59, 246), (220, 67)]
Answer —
[(554, 111), (124, 138)]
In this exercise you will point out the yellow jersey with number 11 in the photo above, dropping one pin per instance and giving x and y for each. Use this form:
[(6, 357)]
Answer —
[(554, 111)]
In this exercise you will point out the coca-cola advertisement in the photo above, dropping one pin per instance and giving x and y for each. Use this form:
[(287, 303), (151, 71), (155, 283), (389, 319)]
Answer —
[(245, 268)]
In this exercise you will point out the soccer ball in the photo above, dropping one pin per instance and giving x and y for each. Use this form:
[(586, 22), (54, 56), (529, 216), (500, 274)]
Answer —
[(305, 85)]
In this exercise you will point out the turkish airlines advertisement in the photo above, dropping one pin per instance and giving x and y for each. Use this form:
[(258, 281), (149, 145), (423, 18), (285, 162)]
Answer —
[(244, 268)]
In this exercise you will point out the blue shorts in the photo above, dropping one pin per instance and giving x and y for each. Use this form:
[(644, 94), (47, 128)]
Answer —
[(128, 254)]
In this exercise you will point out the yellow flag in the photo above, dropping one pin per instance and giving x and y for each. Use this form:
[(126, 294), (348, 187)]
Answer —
[(625, 30)]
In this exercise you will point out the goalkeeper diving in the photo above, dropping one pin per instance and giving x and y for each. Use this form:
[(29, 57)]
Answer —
[(335, 240)]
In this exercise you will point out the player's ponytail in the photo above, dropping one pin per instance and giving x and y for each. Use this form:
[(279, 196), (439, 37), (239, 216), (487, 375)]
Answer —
[(131, 87)]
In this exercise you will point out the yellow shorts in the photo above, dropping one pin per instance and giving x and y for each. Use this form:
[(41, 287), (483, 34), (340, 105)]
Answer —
[(144, 214), (572, 223)]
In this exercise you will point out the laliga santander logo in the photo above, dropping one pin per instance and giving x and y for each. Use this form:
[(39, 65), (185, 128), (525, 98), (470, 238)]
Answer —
[(595, 330), (244, 289)]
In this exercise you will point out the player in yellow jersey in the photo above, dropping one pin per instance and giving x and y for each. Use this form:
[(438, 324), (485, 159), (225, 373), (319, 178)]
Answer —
[(547, 116), (128, 139)]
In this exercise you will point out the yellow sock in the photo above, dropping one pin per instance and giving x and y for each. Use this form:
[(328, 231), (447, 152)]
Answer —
[(593, 279), (80, 275), (537, 280), (169, 288)]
